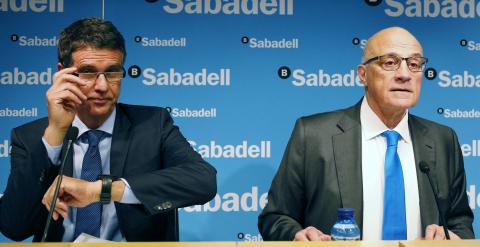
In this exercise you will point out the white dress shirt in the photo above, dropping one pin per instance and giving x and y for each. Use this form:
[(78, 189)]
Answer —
[(374, 147)]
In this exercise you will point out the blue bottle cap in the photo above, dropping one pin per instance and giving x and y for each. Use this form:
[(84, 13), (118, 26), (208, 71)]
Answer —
[(345, 211)]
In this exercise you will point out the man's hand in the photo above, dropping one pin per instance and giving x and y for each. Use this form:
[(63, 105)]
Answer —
[(72, 193), (311, 234), (63, 98), (435, 232)]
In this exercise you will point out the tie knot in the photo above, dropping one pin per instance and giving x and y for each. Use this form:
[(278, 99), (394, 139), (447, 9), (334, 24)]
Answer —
[(94, 137), (392, 137)]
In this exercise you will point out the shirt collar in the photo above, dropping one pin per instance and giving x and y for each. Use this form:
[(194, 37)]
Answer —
[(372, 126), (107, 126)]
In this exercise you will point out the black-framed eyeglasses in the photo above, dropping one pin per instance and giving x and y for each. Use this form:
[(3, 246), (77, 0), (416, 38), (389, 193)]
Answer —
[(113, 77), (391, 62)]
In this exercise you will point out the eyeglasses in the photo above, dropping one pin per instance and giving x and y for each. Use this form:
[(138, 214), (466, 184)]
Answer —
[(112, 77), (391, 62)]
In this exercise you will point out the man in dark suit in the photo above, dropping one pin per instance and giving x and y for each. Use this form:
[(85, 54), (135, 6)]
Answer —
[(131, 168), (340, 159)]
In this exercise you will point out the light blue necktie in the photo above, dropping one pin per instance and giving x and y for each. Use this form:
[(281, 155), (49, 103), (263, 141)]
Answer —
[(394, 217), (89, 218)]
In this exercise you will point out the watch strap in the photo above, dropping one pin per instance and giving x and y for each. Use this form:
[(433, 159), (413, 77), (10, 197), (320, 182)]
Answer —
[(106, 192)]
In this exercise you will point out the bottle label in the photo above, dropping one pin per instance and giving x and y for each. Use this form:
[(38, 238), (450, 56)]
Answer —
[(342, 238), (345, 232)]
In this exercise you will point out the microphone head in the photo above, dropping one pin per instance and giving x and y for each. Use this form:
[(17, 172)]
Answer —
[(72, 133), (424, 167)]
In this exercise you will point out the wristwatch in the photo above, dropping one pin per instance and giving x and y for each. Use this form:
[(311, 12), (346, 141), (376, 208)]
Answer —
[(106, 192)]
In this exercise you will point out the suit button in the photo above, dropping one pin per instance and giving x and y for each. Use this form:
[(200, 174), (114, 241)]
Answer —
[(42, 176), (168, 205), (158, 208)]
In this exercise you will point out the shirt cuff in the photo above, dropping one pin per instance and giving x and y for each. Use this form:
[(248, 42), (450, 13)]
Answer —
[(128, 196), (53, 152)]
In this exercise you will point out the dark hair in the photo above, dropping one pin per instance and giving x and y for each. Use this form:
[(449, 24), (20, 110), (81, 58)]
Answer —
[(89, 32)]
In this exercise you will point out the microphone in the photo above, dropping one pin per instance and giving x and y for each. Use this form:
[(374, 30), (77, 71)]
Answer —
[(70, 137), (426, 170)]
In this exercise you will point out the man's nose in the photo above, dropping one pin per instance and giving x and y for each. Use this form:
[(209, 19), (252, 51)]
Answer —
[(101, 83), (403, 72)]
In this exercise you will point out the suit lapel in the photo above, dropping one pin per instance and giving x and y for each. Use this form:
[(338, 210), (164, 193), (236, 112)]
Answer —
[(347, 148), (120, 143), (424, 150)]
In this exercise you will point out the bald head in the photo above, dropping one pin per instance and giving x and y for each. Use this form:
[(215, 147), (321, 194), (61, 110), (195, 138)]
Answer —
[(383, 41)]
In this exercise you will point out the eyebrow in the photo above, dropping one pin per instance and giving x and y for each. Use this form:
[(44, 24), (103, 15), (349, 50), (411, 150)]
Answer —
[(86, 67), (114, 68)]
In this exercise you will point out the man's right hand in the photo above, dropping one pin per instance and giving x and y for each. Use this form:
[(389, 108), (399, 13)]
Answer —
[(73, 192), (311, 234), (63, 98)]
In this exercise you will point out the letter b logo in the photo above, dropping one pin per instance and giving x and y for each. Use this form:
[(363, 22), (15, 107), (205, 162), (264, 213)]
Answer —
[(14, 37), (284, 72), (134, 71), (430, 73)]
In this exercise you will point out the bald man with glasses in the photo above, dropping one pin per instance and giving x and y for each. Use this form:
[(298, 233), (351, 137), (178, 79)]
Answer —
[(367, 157)]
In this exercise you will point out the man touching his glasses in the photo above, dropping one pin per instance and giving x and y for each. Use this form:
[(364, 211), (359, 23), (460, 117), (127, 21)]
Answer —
[(131, 168), (368, 156)]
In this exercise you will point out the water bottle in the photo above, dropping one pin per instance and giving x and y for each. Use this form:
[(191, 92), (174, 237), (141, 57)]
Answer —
[(345, 228)]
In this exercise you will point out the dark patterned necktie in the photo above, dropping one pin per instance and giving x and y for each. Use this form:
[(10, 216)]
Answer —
[(89, 218)]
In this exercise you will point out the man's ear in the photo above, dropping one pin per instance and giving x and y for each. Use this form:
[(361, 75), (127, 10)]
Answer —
[(362, 73), (59, 66)]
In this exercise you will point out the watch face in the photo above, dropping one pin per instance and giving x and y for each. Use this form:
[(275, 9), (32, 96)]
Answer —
[(106, 192)]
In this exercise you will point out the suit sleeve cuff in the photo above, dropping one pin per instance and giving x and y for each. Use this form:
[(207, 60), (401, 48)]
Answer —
[(53, 152), (128, 196)]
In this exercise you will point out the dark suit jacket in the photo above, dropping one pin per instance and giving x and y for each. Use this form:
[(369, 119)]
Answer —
[(163, 171), (321, 171)]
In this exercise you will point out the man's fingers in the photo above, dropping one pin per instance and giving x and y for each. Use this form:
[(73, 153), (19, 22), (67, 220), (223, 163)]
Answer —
[(47, 198), (66, 75), (70, 106), (68, 94), (55, 216), (45, 203), (430, 232), (439, 233), (64, 71), (325, 237), (74, 79), (61, 208), (436, 232), (66, 198), (62, 213), (313, 234), (65, 98), (67, 70), (68, 86), (301, 236)]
